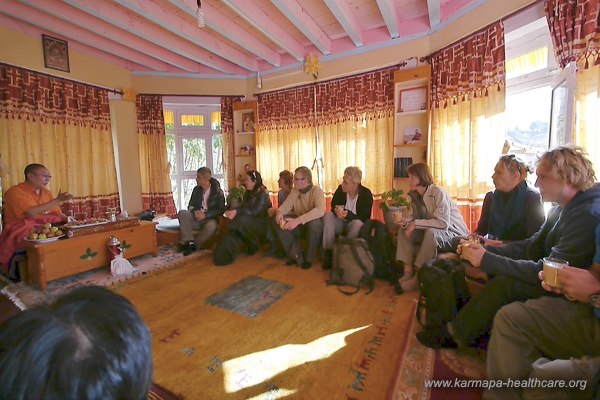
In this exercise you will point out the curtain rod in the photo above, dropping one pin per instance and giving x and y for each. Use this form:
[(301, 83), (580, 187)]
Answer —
[(191, 95), (62, 78), (400, 64)]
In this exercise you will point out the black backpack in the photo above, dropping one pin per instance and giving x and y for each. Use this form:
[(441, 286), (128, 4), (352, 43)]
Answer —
[(382, 247), (444, 292)]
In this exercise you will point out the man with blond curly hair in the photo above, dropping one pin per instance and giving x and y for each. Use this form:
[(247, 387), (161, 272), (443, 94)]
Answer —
[(565, 176)]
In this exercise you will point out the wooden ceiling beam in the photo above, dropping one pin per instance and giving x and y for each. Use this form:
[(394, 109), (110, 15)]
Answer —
[(346, 18), (390, 16)]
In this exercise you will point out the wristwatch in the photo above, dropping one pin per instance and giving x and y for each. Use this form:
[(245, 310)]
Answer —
[(595, 299)]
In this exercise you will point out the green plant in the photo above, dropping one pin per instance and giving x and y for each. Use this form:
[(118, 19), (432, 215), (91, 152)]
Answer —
[(236, 193), (393, 198)]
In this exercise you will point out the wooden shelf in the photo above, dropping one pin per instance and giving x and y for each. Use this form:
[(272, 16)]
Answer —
[(244, 133), (405, 113)]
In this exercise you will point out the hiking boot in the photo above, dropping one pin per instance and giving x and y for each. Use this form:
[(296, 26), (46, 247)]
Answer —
[(189, 248), (305, 265)]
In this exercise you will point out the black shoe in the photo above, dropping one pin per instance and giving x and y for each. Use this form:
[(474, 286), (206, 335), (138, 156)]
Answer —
[(397, 287), (327, 259), (190, 248), (436, 338), (305, 265), (291, 261)]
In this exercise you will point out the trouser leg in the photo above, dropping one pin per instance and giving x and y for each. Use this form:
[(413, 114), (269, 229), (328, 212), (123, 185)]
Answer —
[(314, 232), (286, 238), (208, 228), (329, 222), (428, 249), (187, 224), (405, 248), (476, 317), (546, 327), (353, 228)]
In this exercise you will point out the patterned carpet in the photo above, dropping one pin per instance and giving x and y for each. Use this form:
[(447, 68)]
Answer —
[(168, 257)]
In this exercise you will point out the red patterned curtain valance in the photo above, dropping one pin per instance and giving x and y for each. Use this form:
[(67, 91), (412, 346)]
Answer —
[(469, 68), (574, 29), (287, 108), (336, 100), (227, 114), (33, 96), (371, 93), (150, 118)]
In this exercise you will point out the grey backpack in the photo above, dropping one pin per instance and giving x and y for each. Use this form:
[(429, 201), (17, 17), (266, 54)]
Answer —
[(353, 265)]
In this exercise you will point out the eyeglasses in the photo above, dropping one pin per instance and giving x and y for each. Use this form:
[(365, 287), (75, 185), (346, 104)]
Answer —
[(43, 176), (252, 174)]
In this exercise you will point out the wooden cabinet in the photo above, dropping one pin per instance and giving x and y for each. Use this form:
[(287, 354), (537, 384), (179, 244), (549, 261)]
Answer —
[(411, 120), (244, 128), (66, 257)]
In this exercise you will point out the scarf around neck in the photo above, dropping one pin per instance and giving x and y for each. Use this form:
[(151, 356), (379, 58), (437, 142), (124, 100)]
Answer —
[(507, 210)]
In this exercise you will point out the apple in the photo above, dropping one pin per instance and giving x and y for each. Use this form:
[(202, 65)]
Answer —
[(41, 236), (46, 230), (54, 229), (33, 236), (58, 232), (47, 225)]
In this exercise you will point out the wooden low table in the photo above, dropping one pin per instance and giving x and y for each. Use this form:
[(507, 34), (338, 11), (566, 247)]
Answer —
[(66, 257)]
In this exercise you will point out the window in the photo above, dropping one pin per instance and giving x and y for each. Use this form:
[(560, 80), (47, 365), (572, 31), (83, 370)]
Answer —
[(192, 143), (531, 74)]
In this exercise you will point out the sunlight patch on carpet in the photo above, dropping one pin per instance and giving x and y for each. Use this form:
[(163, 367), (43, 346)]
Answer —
[(253, 369), (250, 296)]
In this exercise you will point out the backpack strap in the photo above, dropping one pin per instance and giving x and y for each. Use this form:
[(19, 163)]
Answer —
[(357, 257)]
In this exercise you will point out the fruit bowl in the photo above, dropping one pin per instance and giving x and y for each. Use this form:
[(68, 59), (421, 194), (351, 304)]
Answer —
[(47, 240)]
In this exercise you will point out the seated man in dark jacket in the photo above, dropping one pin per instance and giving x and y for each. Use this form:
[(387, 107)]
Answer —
[(206, 204), (350, 208), (564, 176)]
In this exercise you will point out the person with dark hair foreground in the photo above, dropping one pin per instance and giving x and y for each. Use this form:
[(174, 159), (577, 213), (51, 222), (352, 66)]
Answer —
[(89, 344)]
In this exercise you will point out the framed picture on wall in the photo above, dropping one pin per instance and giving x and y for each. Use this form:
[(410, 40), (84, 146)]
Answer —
[(56, 53), (248, 122)]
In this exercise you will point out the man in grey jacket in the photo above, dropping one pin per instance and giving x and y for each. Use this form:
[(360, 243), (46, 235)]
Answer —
[(564, 176)]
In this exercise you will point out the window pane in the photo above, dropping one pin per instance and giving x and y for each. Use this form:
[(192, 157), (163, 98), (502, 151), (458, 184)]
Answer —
[(217, 145), (194, 154), (175, 189), (169, 120), (188, 187), (192, 120), (171, 154), (528, 120), (527, 63), (215, 120), (559, 115)]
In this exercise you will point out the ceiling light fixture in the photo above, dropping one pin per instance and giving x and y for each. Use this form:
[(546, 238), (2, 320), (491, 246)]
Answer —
[(200, 15)]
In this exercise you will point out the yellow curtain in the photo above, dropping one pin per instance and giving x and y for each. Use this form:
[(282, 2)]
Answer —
[(157, 194), (365, 142), (284, 148), (64, 125), (85, 167), (587, 110), (466, 142)]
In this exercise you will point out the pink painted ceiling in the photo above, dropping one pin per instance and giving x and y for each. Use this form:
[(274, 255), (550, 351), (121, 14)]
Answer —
[(240, 37)]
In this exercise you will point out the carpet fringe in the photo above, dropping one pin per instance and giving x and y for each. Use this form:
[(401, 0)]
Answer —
[(12, 296)]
